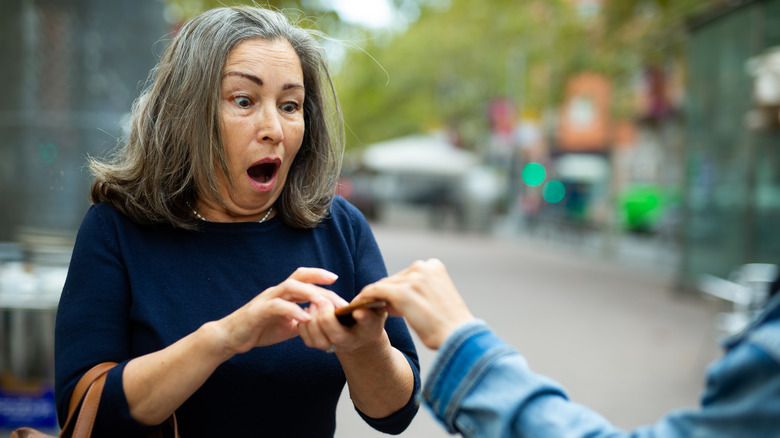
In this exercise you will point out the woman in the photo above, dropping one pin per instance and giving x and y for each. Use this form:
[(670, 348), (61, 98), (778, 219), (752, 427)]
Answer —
[(186, 269)]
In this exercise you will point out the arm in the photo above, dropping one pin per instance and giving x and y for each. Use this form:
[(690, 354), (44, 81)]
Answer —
[(479, 386), (381, 380), (377, 354), (403, 347)]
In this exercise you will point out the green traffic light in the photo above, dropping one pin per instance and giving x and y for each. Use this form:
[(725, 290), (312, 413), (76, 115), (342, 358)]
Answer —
[(534, 174)]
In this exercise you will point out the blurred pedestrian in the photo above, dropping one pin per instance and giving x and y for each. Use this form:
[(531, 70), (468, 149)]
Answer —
[(187, 271), (481, 387)]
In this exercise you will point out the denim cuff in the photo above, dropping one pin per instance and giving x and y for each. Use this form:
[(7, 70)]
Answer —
[(462, 359)]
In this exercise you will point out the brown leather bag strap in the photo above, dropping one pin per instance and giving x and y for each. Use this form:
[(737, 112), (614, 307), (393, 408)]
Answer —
[(89, 389), (85, 382), (88, 411), (172, 420)]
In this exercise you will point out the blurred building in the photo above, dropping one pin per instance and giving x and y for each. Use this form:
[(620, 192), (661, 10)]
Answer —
[(732, 152), (71, 69), (585, 122)]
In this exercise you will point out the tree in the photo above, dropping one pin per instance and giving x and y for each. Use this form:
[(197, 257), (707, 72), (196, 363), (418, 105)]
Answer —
[(451, 62), (445, 69)]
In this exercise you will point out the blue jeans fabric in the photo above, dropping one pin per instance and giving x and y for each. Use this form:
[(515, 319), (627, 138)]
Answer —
[(481, 387)]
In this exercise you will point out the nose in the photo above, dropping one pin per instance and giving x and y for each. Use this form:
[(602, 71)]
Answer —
[(269, 125)]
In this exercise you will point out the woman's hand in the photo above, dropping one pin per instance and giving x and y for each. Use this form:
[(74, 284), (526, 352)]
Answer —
[(323, 330), (425, 295), (274, 315), (158, 383), (379, 377)]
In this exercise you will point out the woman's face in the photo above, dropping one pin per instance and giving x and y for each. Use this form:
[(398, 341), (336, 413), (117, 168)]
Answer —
[(261, 115)]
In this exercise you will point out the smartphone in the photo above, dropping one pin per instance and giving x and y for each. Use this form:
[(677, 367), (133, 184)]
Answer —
[(344, 314)]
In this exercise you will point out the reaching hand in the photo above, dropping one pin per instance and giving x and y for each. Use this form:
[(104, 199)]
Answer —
[(325, 332), (425, 295), (273, 316)]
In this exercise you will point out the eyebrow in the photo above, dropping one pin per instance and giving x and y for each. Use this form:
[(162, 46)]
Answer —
[(259, 81)]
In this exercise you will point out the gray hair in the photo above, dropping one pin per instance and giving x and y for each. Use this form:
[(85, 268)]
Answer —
[(175, 141)]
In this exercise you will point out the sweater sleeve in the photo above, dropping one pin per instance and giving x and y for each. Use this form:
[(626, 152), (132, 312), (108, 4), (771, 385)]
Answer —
[(370, 267), (398, 421), (93, 324)]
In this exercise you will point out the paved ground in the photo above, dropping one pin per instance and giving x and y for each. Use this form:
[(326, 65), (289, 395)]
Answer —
[(610, 329)]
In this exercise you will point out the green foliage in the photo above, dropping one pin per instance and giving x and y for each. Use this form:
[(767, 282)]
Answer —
[(655, 28), (445, 69)]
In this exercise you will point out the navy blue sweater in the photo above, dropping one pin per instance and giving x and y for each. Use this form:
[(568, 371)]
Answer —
[(133, 289)]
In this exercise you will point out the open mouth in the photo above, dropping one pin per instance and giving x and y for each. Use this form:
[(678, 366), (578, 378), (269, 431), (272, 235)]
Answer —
[(262, 173)]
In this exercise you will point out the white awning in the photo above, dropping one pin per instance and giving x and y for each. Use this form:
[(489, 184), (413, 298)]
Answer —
[(420, 155), (582, 167)]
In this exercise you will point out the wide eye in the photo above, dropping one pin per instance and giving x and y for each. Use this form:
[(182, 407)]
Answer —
[(289, 107), (242, 101)]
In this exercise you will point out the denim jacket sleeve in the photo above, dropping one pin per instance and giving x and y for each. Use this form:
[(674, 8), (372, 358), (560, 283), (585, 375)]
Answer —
[(480, 387)]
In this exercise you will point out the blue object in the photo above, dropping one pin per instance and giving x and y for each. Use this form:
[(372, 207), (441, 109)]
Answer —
[(33, 408), (480, 386)]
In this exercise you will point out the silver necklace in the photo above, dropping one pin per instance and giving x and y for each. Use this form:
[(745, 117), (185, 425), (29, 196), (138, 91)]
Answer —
[(268, 213)]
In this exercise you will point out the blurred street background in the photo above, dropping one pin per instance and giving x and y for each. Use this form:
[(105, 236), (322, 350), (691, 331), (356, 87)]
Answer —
[(602, 177)]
